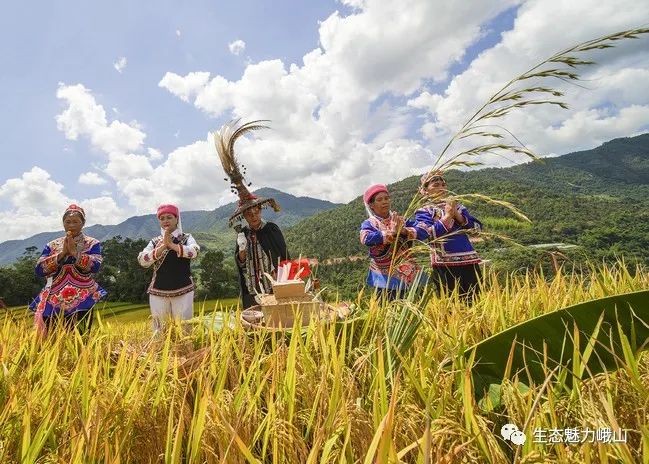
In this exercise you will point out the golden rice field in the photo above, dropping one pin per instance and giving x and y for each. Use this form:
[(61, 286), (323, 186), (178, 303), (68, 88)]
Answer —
[(323, 395)]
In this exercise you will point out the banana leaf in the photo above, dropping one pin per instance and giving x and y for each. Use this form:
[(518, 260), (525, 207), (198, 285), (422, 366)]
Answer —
[(584, 340)]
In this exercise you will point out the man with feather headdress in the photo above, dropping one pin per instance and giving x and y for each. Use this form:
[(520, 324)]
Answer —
[(260, 245)]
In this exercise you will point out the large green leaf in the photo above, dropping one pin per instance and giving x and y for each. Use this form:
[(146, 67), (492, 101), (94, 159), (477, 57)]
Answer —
[(584, 339)]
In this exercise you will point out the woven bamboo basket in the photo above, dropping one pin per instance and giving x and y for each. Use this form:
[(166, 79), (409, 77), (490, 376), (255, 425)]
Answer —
[(283, 316), (288, 303)]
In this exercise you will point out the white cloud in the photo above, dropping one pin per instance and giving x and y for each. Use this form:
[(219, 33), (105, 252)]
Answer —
[(123, 166), (91, 178), (612, 104), (330, 135), (36, 190), (237, 47), (425, 101), (102, 210), (357, 4), (190, 177), (178, 33), (184, 87), (597, 126), (120, 142), (154, 154), (85, 117), (37, 203), (120, 64), (25, 222)]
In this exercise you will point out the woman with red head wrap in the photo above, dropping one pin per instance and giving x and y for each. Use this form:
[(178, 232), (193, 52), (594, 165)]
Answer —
[(171, 292), (68, 264)]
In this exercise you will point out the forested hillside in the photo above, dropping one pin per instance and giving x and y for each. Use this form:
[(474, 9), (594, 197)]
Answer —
[(597, 199)]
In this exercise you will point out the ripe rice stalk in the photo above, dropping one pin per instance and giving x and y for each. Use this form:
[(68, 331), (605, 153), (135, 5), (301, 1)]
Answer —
[(532, 88), (337, 401)]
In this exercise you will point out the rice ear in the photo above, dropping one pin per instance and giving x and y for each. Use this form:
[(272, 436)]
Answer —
[(517, 94)]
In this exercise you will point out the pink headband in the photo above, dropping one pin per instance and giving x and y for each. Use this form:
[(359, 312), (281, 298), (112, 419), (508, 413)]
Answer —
[(373, 190), (170, 209)]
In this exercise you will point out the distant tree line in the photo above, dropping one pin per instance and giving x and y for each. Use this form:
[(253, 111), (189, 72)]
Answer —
[(121, 275), (18, 282)]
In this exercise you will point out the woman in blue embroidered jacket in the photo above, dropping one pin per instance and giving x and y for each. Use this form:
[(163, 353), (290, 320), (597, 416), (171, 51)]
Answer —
[(68, 264), (381, 232), (454, 261)]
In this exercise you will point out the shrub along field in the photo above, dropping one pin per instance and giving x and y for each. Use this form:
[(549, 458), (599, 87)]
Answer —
[(335, 393)]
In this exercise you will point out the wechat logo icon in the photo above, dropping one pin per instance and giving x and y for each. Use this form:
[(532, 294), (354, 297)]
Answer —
[(510, 432)]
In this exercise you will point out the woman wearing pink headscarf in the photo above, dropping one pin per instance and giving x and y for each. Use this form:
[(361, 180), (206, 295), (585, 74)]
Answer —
[(388, 235), (171, 292)]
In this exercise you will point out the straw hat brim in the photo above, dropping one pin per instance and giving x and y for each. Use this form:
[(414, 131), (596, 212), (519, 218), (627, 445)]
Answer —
[(263, 202)]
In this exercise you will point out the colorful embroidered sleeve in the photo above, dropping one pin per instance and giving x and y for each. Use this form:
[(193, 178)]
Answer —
[(47, 264), (470, 221), (90, 261), (190, 249), (370, 235), (433, 227), (424, 220), (442, 227), (147, 257), (415, 231)]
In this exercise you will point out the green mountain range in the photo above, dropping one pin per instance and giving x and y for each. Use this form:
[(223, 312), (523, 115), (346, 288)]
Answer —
[(209, 227), (596, 199)]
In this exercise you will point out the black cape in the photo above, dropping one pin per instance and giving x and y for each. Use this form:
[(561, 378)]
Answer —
[(272, 243)]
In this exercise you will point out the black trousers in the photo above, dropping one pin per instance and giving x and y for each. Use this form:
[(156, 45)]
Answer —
[(248, 300), (466, 278), (389, 294)]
